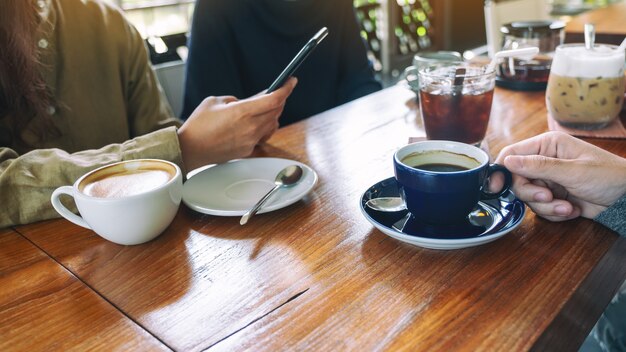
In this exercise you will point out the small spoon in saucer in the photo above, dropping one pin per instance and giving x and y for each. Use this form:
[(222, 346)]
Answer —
[(386, 204), (288, 176)]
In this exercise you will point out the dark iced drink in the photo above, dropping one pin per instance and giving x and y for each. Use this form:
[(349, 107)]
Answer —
[(456, 106), (535, 70)]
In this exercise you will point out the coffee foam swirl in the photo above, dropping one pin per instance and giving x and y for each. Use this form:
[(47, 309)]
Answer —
[(129, 183)]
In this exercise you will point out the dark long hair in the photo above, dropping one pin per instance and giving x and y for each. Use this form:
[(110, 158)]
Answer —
[(23, 93)]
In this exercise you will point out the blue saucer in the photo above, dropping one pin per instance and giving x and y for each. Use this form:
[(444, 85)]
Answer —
[(490, 220)]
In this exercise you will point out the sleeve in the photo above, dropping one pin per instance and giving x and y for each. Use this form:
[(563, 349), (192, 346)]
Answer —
[(212, 63), (27, 181), (146, 104), (358, 76), (614, 217)]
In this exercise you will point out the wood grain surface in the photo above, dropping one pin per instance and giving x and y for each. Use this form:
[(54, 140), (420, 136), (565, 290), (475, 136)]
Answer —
[(610, 24), (44, 307), (317, 276)]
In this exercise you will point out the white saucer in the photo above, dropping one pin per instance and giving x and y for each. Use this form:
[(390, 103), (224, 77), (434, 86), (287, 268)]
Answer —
[(230, 189)]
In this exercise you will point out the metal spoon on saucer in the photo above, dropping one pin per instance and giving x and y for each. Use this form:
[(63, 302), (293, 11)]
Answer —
[(288, 176), (590, 36), (386, 204)]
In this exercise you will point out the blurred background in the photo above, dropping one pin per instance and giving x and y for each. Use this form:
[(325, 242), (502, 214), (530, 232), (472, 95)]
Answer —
[(394, 29)]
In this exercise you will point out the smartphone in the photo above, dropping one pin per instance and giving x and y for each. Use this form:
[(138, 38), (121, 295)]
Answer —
[(298, 59)]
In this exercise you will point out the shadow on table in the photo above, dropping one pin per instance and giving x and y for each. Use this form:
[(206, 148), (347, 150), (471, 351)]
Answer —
[(134, 278), (265, 229)]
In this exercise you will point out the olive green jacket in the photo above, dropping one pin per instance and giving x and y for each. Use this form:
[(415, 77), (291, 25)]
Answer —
[(107, 107)]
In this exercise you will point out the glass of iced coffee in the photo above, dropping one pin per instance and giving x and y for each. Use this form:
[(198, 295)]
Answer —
[(586, 86), (455, 101)]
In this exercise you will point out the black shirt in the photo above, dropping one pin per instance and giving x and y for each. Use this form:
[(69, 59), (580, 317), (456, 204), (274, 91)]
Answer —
[(239, 47)]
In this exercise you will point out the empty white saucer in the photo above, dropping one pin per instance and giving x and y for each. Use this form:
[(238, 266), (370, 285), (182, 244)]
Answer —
[(230, 189)]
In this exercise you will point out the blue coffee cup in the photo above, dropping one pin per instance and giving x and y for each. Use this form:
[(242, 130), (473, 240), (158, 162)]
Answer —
[(442, 181)]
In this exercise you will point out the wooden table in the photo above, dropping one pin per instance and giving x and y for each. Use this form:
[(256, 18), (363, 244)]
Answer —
[(609, 21), (316, 275), (44, 306)]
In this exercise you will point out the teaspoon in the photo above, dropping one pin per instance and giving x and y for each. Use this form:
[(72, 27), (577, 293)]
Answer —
[(590, 36), (386, 204), (288, 176)]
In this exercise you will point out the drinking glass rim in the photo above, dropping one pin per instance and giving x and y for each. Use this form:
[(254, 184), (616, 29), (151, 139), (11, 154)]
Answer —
[(448, 146), (428, 57), (423, 70), (562, 47), (78, 187)]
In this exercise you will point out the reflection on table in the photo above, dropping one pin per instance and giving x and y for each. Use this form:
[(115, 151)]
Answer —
[(316, 275)]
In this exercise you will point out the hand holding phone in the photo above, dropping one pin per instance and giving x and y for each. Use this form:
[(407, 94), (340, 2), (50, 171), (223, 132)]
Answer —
[(298, 59)]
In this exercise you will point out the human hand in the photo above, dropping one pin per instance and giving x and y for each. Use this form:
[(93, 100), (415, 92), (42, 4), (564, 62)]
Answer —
[(224, 128), (561, 177)]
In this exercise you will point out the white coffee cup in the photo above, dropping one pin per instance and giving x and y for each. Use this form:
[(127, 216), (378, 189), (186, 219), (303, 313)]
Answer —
[(128, 202)]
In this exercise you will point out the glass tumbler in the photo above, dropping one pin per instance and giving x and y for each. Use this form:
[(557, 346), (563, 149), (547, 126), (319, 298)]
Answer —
[(424, 59), (455, 101), (586, 87)]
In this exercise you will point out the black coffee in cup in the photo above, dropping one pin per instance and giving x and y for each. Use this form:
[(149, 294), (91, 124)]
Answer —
[(440, 161), (442, 181), (441, 167)]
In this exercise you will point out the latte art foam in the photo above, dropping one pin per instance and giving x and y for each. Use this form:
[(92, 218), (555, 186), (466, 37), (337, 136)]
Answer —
[(126, 184)]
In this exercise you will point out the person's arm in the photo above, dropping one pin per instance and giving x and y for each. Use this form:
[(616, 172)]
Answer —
[(27, 181), (224, 128), (614, 217), (561, 177), (220, 129), (357, 74)]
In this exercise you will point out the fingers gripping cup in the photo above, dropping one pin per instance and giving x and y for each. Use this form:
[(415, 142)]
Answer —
[(455, 101), (442, 181), (128, 203), (586, 87)]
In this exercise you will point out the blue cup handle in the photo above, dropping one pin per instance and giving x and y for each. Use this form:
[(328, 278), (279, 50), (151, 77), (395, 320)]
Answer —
[(508, 180)]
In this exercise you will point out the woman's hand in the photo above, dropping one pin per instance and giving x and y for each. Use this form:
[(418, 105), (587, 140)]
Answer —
[(224, 128)]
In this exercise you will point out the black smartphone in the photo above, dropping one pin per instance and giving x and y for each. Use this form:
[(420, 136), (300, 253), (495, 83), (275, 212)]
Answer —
[(298, 59)]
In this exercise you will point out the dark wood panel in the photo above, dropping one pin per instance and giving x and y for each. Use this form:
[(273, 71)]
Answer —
[(586, 302)]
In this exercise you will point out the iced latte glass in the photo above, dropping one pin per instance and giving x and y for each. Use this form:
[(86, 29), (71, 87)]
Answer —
[(586, 87), (455, 101)]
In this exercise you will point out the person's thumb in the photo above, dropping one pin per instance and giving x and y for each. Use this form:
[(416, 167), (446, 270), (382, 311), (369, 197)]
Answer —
[(540, 167)]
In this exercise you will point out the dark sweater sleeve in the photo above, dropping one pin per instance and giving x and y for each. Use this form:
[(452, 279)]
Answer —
[(212, 65), (615, 217)]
